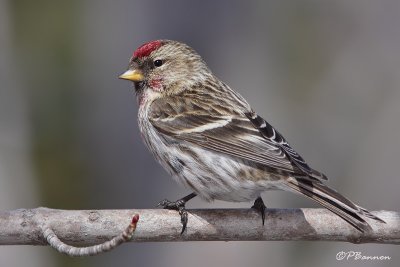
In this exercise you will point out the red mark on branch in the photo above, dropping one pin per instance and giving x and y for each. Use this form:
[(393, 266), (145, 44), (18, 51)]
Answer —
[(135, 219)]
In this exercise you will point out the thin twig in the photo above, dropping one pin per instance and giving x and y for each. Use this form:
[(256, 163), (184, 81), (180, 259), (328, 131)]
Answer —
[(72, 251)]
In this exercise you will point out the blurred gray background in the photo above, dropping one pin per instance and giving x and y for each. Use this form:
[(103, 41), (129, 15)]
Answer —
[(325, 73)]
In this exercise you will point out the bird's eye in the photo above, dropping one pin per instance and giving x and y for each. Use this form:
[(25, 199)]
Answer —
[(158, 63)]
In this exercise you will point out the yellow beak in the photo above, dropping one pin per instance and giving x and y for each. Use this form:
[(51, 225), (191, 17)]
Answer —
[(132, 75)]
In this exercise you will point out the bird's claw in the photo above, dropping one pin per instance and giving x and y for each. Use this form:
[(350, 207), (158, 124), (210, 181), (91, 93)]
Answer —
[(184, 218), (179, 206), (260, 207)]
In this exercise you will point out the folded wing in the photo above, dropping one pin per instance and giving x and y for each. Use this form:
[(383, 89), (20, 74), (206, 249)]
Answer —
[(215, 127)]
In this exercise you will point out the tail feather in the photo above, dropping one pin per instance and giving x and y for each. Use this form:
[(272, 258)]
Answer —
[(368, 214), (333, 201)]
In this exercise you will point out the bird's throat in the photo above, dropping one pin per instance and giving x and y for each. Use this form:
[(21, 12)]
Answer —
[(147, 95)]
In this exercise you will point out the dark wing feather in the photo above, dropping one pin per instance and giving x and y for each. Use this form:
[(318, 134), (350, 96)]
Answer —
[(245, 136), (275, 137)]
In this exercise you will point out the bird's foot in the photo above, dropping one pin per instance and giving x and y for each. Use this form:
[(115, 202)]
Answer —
[(260, 207), (179, 206)]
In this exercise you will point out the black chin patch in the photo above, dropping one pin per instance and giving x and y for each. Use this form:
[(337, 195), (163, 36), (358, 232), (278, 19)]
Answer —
[(138, 86)]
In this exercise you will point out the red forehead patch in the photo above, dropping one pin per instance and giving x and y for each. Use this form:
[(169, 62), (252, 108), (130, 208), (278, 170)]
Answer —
[(146, 49)]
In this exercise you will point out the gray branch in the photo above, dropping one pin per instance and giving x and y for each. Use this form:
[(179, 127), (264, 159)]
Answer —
[(91, 227)]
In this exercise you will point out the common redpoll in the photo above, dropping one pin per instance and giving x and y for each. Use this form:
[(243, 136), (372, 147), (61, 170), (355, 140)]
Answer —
[(210, 140)]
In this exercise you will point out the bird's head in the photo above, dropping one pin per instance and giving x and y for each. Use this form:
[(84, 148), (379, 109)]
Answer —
[(166, 67)]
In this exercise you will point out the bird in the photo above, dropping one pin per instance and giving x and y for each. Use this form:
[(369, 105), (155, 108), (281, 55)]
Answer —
[(210, 140)]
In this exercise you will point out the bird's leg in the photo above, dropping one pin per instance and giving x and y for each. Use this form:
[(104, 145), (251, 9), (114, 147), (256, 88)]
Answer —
[(179, 206), (260, 207)]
